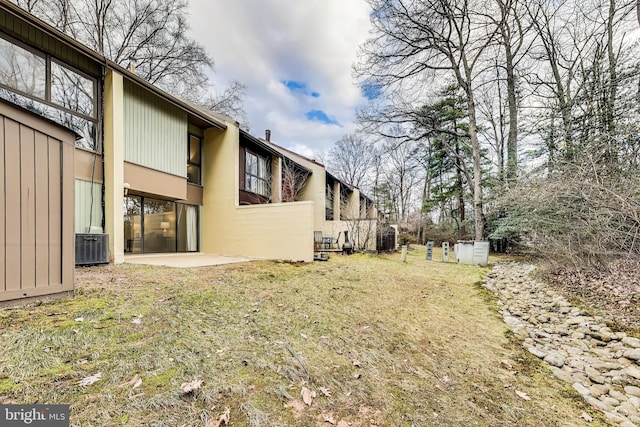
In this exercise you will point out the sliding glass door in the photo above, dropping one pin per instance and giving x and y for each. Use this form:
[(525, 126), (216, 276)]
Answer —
[(159, 226)]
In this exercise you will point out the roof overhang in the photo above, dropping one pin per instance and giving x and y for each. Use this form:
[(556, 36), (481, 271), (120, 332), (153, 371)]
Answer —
[(10, 8)]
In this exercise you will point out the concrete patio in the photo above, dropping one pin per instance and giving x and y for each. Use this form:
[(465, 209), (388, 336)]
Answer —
[(188, 260)]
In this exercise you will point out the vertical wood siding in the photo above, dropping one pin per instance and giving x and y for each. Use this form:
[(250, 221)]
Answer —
[(36, 214), (23, 31), (155, 132), (88, 213)]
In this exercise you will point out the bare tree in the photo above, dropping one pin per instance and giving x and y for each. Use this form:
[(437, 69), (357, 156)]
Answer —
[(149, 37), (351, 159), (293, 181), (415, 40), (229, 102)]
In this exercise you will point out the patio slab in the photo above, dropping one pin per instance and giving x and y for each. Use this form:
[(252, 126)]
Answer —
[(183, 260)]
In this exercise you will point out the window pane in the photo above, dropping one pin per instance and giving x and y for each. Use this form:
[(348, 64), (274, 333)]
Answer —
[(22, 70), (86, 130), (71, 90), (193, 174), (194, 150), (133, 224), (193, 162), (251, 164), (159, 226)]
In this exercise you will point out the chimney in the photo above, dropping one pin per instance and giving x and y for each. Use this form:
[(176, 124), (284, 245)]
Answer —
[(267, 135)]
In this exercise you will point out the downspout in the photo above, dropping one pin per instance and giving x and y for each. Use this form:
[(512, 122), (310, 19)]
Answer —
[(101, 122)]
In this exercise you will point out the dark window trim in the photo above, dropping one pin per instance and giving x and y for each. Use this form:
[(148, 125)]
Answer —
[(267, 170), (97, 102), (329, 198)]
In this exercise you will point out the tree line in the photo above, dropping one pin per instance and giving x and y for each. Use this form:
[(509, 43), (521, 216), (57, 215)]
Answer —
[(511, 120)]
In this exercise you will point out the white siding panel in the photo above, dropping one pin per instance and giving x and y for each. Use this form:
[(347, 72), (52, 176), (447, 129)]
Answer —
[(85, 215), (155, 132)]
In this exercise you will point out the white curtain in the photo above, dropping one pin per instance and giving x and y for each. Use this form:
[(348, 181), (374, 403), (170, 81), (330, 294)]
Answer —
[(192, 228)]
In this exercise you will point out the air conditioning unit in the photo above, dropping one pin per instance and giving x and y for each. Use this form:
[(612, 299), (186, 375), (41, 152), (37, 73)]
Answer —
[(92, 249)]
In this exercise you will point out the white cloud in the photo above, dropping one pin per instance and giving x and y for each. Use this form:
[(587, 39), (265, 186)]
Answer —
[(262, 43)]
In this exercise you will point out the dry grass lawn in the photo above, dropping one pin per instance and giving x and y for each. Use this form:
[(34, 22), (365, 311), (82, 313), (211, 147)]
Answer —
[(371, 341)]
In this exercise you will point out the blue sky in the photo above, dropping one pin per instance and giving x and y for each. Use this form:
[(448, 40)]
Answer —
[(295, 58)]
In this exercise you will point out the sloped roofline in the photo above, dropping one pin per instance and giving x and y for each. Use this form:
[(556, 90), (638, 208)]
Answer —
[(70, 42)]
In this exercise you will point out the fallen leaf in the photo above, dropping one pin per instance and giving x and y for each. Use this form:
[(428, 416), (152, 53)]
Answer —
[(586, 416), (79, 319), (136, 382), (190, 387), (329, 419), (137, 321), (223, 418), (523, 395), (307, 397), (325, 391), (91, 379), (505, 364)]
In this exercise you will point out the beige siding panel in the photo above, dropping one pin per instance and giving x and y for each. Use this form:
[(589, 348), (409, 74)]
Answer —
[(55, 205), (28, 204), (194, 194), (42, 205), (149, 181), (88, 165), (155, 132), (12, 185), (67, 235), (87, 214), (3, 207)]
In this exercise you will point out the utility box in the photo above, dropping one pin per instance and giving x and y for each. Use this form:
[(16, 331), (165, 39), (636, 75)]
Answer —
[(464, 252), (472, 252), (429, 255), (481, 252), (445, 251)]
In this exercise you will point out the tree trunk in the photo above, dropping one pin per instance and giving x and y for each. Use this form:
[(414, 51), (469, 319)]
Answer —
[(477, 169), (512, 140)]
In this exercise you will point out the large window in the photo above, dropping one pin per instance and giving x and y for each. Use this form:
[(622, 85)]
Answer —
[(257, 174), (51, 89), (194, 160), (159, 226)]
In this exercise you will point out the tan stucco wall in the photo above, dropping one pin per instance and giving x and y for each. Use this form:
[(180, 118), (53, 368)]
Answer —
[(114, 163), (272, 231), (314, 191)]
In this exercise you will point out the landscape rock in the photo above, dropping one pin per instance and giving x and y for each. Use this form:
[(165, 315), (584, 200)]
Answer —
[(581, 389), (631, 342), (633, 354), (602, 365), (555, 359)]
